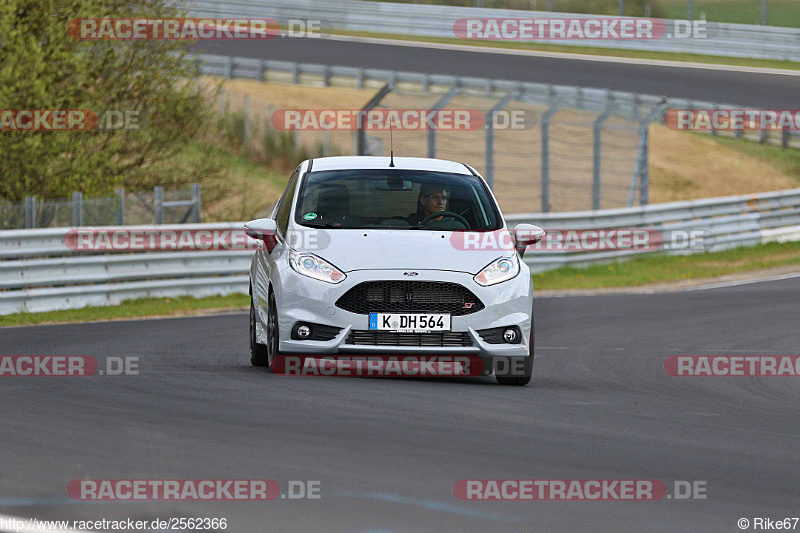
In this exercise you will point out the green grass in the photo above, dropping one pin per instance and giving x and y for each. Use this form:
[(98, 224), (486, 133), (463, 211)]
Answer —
[(184, 305), (779, 12), (589, 50), (665, 268), (786, 160)]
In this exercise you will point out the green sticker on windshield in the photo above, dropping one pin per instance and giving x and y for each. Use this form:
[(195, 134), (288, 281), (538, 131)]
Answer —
[(310, 216)]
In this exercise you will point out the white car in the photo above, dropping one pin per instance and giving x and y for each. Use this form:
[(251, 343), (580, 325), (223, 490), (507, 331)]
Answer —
[(382, 256)]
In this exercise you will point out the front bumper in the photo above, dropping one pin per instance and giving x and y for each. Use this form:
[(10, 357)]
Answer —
[(302, 299)]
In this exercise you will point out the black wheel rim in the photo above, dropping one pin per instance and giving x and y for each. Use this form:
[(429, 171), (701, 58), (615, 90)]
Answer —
[(252, 328), (272, 327)]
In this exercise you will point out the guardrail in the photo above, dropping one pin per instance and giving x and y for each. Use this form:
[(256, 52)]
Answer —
[(38, 272), (729, 40)]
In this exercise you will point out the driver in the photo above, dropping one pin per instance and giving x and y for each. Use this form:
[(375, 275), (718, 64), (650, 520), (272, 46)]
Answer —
[(432, 199)]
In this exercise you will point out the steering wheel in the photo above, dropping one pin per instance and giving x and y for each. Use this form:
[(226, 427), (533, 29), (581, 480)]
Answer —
[(450, 214)]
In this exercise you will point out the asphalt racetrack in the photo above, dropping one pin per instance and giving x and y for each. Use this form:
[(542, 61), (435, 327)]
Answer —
[(758, 90), (388, 452)]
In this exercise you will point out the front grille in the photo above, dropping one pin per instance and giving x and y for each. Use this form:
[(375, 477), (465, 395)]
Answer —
[(392, 338), (410, 296)]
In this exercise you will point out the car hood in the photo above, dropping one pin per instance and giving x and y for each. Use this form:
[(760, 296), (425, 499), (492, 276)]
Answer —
[(368, 249)]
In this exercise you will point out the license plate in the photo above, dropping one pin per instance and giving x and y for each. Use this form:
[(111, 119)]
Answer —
[(409, 322)]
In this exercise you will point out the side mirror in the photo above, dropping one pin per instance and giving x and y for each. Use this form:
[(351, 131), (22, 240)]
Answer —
[(263, 229), (527, 234)]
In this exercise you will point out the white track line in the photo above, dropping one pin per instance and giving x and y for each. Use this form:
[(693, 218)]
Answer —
[(563, 55)]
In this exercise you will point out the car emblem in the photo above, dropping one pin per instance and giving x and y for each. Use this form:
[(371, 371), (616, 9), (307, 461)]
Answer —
[(468, 305), (411, 273)]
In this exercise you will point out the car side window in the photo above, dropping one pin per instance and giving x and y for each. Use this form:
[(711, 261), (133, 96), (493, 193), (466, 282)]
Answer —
[(285, 205)]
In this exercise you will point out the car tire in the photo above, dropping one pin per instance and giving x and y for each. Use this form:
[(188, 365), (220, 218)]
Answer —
[(527, 367), (258, 352), (273, 334)]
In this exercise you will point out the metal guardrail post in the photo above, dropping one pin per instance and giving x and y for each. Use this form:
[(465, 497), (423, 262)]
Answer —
[(361, 139), (30, 212), (785, 138), (443, 101), (120, 207), (295, 73), (158, 207), (360, 78), (77, 209), (198, 205), (489, 124), (546, 117), (326, 76), (597, 131), (229, 68)]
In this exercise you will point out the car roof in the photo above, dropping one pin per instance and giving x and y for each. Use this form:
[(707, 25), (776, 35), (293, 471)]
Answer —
[(400, 163)]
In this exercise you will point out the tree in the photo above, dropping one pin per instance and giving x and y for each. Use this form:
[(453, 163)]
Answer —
[(43, 67)]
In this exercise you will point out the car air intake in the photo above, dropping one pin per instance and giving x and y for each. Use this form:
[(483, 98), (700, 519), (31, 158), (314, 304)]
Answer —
[(391, 338), (410, 297)]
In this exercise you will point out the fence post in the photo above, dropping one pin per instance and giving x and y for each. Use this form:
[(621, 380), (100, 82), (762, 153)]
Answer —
[(120, 207), (546, 117), (196, 200), (158, 207), (326, 142), (222, 104), (361, 139), (246, 112), (642, 172), (785, 138), (443, 101), (620, 7), (30, 212), (229, 68), (77, 209), (598, 129), (490, 137)]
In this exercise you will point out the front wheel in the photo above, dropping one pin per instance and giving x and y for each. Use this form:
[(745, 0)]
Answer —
[(258, 352), (273, 338)]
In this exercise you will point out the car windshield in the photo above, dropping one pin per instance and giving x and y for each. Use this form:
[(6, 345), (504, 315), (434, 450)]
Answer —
[(396, 199)]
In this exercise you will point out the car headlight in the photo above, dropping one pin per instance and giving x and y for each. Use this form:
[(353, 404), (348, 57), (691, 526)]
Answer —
[(315, 267), (500, 270)]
